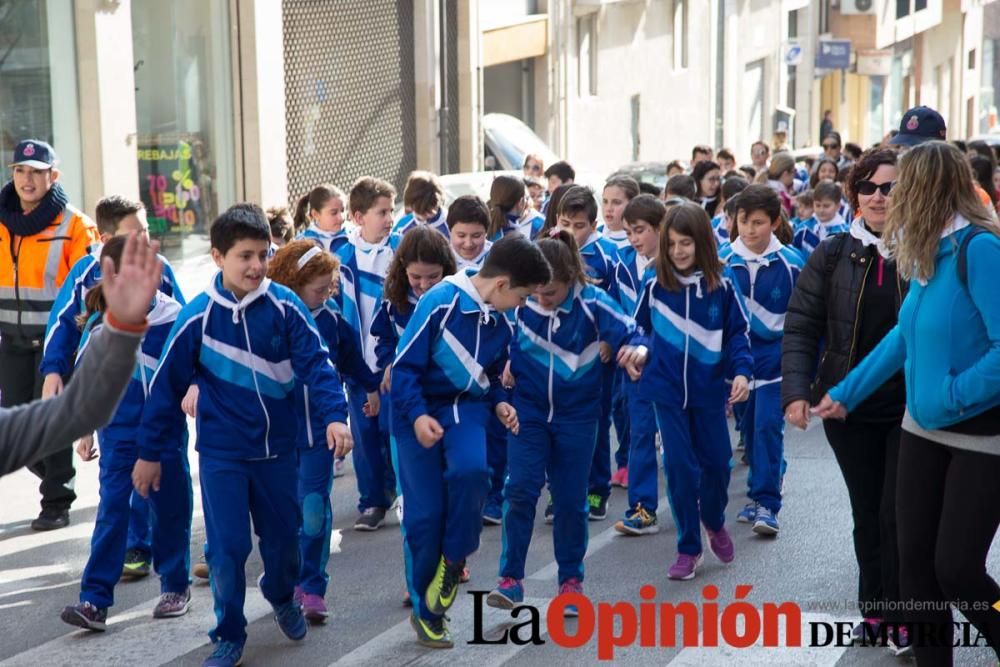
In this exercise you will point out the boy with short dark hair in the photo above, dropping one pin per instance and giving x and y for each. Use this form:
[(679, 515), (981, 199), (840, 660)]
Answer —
[(468, 224), (765, 271), (246, 339), (115, 216), (559, 173), (423, 199), (826, 219), (680, 185), (445, 384)]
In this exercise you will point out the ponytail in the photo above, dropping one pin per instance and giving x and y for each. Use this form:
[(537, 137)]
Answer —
[(315, 201), (560, 249), (505, 193), (94, 301)]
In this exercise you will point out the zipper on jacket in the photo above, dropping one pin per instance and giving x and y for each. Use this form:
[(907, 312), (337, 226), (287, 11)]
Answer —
[(857, 315), (552, 362), (475, 356), (309, 431), (687, 340), (256, 384), (15, 254)]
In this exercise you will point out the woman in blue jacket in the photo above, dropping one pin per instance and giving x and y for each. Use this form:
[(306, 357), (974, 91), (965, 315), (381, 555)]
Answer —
[(947, 343)]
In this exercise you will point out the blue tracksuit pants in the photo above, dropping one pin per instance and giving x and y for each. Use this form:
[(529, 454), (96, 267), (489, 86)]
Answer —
[(619, 416), (562, 450), (233, 492), (140, 524), (496, 457), (600, 469), (315, 483), (763, 427), (643, 485), (696, 458), (171, 508), (372, 465), (444, 490)]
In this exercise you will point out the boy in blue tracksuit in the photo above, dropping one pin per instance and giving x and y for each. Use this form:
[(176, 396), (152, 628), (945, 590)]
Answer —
[(445, 384), (556, 365), (115, 216), (423, 199), (172, 502), (765, 272), (578, 215), (826, 219), (247, 339), (364, 262), (697, 328)]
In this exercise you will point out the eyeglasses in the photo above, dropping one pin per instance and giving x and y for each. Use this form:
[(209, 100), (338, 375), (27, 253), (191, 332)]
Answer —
[(534, 167), (828, 147), (868, 188)]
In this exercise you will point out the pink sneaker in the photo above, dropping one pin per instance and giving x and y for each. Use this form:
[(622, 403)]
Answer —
[(620, 478), (314, 608), (685, 566), (571, 585), (721, 545)]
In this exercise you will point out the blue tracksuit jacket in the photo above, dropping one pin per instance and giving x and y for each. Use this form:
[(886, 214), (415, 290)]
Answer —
[(811, 232), (766, 282), (438, 222), (331, 241), (62, 335), (528, 225), (599, 259), (247, 355), (697, 339)]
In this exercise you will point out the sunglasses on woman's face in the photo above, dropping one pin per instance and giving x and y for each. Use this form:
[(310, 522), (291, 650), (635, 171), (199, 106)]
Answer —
[(534, 167), (868, 188)]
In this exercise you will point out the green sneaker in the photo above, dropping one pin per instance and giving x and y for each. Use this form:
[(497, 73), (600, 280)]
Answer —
[(441, 592), (136, 564), (598, 507), (432, 634)]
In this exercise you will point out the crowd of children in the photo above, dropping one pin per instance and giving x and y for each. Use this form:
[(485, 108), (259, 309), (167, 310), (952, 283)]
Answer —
[(459, 351)]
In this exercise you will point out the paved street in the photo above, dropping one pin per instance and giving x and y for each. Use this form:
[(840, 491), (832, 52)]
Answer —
[(810, 563)]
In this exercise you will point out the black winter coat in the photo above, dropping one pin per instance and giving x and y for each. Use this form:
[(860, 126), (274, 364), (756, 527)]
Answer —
[(824, 308)]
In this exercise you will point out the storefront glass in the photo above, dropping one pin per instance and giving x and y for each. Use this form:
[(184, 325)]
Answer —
[(184, 110), (38, 85)]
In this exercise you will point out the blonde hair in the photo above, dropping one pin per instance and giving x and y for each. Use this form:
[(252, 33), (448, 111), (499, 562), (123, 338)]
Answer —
[(934, 185)]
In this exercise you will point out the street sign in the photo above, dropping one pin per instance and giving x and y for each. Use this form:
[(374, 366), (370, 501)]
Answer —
[(875, 63), (833, 54), (793, 53)]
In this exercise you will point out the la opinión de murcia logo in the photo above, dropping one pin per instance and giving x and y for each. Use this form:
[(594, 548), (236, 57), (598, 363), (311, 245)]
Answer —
[(698, 624)]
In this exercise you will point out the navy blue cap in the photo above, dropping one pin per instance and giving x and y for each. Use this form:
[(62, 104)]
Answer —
[(34, 153), (918, 125)]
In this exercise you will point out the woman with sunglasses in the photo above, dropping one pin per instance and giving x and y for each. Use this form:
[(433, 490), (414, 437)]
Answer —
[(533, 166), (849, 295)]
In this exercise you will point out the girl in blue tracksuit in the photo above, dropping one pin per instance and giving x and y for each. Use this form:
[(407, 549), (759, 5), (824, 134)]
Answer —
[(765, 272), (305, 268), (319, 216), (510, 211), (247, 339), (556, 365), (171, 505), (577, 214), (698, 337), (445, 384)]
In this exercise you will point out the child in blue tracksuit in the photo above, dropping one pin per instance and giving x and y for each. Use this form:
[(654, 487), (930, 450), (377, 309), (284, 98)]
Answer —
[(364, 263), (578, 215), (423, 200), (765, 272), (171, 503), (247, 339), (311, 272), (319, 216), (556, 366), (643, 219), (698, 331), (115, 216), (445, 385), (510, 211), (468, 227), (826, 219)]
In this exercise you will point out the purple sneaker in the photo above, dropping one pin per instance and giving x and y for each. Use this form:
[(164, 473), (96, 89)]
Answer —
[(720, 544), (314, 608), (685, 566)]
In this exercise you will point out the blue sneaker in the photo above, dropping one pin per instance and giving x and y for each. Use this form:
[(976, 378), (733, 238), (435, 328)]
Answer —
[(290, 620), (226, 654), (748, 514), (766, 522), (508, 594), (493, 512)]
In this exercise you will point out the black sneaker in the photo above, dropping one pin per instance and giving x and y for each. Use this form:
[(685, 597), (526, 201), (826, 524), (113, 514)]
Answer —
[(550, 512), (85, 615), (598, 507), (443, 589), (371, 519), (433, 633), (51, 519), (136, 564)]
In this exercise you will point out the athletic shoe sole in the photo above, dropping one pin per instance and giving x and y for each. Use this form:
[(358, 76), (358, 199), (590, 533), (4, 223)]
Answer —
[(597, 517), (635, 532), (694, 570), (137, 572), (498, 600), (492, 520), (316, 618), (173, 614), (550, 520), (429, 643), (762, 528), (78, 620), (366, 528)]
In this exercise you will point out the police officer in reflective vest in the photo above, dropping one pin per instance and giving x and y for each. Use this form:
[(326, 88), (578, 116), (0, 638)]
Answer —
[(41, 237)]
